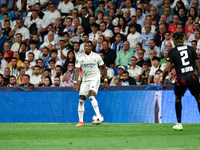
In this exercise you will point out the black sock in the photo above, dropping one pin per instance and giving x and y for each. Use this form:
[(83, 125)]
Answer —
[(178, 111)]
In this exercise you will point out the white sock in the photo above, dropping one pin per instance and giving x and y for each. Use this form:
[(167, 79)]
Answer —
[(94, 104), (81, 109)]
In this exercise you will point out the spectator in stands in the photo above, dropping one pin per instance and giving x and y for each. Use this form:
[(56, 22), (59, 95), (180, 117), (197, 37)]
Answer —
[(140, 18), (47, 81), (54, 55), (152, 54), (147, 7), (172, 27), (163, 61), (4, 10), (196, 28), (19, 62), (2, 80), (194, 45), (152, 46), (123, 26), (47, 72), (31, 4), (117, 30), (77, 49), (21, 74), (140, 58), (195, 4), (52, 64), (76, 22), (70, 29), (127, 80), (127, 16), (31, 60), (19, 28), (109, 24), (163, 20), (4, 63), (179, 28), (65, 8), (104, 31), (167, 13), (167, 35), (22, 54), (99, 45), (45, 56), (145, 73), (26, 80), (120, 71), (68, 77), (6, 30), (35, 22), (167, 3), (19, 5), (90, 7), (154, 15), (134, 70), (159, 37), (6, 76), (85, 20), (182, 15), (99, 17), (8, 54), (134, 22), (12, 82), (14, 68), (36, 38), (3, 39), (1, 70), (50, 40), (79, 35), (40, 63), (128, 4), (124, 56), (68, 45), (37, 78), (33, 49), (62, 51), (117, 81), (148, 20), (171, 78), (16, 46), (102, 78), (93, 34), (190, 27), (85, 38), (145, 37), (110, 55), (155, 66), (133, 36), (101, 8), (53, 12), (118, 45), (27, 68), (57, 81)]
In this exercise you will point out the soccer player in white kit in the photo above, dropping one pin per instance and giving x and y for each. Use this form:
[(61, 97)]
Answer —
[(88, 62)]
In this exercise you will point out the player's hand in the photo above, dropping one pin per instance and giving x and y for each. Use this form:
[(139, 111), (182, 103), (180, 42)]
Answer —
[(75, 88), (105, 84)]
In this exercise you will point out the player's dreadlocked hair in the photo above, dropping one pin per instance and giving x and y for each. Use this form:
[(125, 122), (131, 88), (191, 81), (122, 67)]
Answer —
[(178, 37)]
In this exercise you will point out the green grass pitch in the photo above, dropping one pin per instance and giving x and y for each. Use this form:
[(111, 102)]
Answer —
[(107, 136)]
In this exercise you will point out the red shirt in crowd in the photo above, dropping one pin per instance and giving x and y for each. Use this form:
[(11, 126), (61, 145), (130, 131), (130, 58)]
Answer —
[(172, 28), (10, 53), (188, 32)]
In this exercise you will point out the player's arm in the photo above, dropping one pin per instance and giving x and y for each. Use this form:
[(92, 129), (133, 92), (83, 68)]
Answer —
[(103, 67), (165, 72), (196, 63), (75, 88)]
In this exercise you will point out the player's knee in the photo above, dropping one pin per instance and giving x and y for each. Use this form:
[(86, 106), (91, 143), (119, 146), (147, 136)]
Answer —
[(91, 98), (178, 98), (91, 93), (82, 102), (82, 97)]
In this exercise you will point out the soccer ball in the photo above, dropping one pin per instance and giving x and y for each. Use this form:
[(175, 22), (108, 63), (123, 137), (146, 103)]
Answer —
[(97, 119)]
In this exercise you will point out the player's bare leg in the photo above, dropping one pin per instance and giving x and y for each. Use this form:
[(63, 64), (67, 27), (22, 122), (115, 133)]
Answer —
[(178, 106), (94, 102), (81, 109)]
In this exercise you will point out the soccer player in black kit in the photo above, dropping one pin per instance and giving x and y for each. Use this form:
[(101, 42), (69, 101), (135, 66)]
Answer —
[(185, 61)]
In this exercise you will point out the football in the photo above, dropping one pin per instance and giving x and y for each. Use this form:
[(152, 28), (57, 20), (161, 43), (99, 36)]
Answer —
[(97, 119)]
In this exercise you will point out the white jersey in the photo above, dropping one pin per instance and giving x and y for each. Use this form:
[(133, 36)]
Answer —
[(89, 65)]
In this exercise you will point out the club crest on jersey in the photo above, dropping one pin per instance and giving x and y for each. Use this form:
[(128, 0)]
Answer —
[(95, 60)]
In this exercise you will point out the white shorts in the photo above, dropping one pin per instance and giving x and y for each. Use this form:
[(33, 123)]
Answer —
[(86, 86)]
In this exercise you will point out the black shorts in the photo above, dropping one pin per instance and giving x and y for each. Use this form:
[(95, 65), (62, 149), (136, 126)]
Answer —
[(194, 88)]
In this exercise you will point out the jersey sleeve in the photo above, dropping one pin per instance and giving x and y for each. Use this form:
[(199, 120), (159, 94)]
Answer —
[(100, 61), (77, 63), (170, 56)]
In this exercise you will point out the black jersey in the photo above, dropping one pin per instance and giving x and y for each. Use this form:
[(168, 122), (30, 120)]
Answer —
[(183, 58)]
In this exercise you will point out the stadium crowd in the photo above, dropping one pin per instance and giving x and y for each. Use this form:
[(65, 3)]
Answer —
[(40, 39)]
